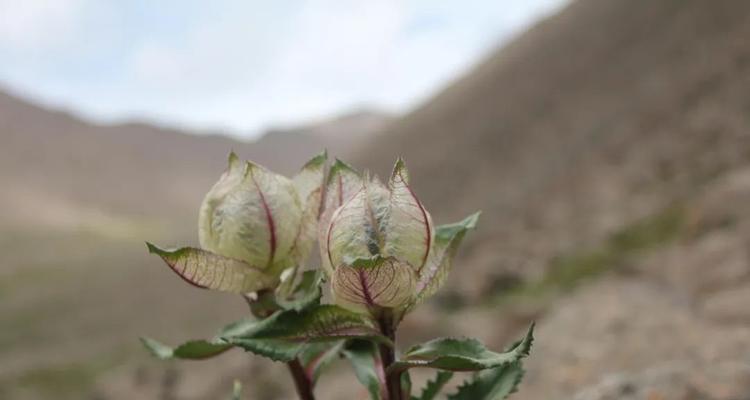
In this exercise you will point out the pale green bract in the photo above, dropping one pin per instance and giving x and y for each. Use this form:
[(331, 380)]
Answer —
[(389, 226), (367, 284), (253, 224), (342, 183)]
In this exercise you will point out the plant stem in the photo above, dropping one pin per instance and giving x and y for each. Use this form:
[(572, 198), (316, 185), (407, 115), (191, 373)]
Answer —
[(388, 357), (301, 380), (263, 307)]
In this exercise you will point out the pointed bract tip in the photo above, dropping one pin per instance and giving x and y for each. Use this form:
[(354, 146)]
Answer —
[(470, 222), (152, 249), (233, 161), (249, 166), (232, 157), (343, 165), (400, 169), (317, 160), (339, 166)]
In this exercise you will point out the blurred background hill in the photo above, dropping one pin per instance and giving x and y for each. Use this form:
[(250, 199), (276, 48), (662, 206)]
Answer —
[(608, 147)]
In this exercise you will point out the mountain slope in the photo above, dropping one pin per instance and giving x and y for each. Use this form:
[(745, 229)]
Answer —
[(57, 163), (607, 112)]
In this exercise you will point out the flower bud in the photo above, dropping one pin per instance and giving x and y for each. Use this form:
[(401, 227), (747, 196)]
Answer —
[(251, 214), (380, 221), (379, 246), (259, 217), (253, 225)]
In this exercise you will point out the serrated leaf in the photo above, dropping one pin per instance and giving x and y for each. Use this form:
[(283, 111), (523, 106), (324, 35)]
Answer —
[(201, 348), (492, 384), (409, 231), (192, 350), (315, 357), (460, 355), (367, 366), (306, 292), (447, 239), (207, 270), (372, 283), (433, 387), (283, 336)]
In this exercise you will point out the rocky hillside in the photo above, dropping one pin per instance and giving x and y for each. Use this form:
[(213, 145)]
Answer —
[(608, 112), (609, 149)]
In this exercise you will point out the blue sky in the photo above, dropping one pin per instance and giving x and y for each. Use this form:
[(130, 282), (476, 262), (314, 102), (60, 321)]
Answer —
[(244, 65)]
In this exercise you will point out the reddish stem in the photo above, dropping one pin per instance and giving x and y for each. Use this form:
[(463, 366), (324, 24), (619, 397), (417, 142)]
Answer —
[(388, 357), (302, 382)]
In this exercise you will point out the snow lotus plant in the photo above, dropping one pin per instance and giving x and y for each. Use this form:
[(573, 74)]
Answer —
[(381, 256)]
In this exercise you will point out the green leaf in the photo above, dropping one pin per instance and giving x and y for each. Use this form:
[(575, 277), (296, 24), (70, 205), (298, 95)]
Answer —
[(284, 335), (433, 387), (200, 349), (315, 357), (492, 384), (306, 293), (435, 271), (406, 385), (192, 350), (460, 355), (366, 362), (207, 270)]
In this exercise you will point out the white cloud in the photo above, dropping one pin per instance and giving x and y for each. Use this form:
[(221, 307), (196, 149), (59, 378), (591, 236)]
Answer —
[(245, 64), (34, 24)]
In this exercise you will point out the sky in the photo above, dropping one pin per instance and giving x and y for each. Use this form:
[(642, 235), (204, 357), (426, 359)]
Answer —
[(242, 66)]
